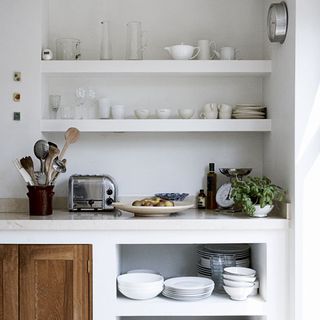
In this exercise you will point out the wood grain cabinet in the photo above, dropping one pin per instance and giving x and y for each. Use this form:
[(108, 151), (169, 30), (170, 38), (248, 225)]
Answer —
[(43, 282)]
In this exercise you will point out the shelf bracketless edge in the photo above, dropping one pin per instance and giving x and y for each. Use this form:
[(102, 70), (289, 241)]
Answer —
[(216, 305), (223, 67), (156, 125)]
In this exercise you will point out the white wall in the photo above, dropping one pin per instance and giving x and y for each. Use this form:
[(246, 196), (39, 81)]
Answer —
[(307, 155)]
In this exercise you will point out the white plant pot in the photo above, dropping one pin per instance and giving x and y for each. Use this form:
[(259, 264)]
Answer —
[(262, 212)]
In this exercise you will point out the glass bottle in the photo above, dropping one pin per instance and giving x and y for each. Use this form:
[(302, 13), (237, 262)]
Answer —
[(211, 188), (201, 200)]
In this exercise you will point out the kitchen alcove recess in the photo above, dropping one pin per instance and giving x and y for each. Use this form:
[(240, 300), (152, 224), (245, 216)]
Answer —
[(41, 280)]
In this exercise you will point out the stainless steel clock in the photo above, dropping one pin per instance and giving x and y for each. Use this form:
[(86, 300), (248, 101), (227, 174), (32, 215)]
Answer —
[(278, 22)]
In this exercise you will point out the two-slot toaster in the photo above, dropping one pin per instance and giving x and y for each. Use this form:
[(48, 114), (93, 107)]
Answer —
[(91, 193)]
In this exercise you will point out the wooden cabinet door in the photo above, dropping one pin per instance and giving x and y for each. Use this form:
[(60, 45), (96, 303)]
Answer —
[(55, 282), (9, 282)]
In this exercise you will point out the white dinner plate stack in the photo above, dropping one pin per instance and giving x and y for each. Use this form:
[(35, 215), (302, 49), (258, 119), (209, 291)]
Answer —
[(188, 288), (249, 111), (205, 252)]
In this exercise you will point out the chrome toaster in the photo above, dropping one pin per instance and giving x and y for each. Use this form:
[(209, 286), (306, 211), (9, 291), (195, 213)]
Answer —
[(91, 193)]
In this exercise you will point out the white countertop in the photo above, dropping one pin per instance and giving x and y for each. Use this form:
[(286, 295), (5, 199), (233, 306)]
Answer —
[(192, 219)]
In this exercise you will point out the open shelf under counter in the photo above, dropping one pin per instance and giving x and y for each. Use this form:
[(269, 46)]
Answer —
[(216, 305), (159, 125), (169, 67)]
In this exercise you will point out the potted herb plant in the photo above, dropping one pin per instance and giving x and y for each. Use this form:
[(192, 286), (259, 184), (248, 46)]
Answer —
[(256, 195)]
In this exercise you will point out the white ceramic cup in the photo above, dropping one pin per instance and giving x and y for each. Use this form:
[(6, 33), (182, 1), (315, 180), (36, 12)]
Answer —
[(186, 113), (104, 108), (142, 113), (210, 111), (228, 53), (117, 111), (163, 113), (225, 111), (206, 48)]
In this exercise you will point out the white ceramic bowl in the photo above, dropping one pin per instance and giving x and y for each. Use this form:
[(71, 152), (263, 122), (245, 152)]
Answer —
[(181, 52), (142, 113), (186, 113), (238, 294), (163, 113), (262, 212), (143, 271), (238, 278), (238, 284), (140, 280), (240, 271), (140, 293)]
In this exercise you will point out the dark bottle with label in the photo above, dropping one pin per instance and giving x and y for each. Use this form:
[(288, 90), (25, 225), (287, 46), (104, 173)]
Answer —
[(211, 188), (201, 200)]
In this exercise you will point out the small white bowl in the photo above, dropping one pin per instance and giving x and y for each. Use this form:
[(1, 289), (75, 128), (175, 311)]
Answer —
[(163, 113), (143, 271), (240, 271), (238, 278), (142, 113), (238, 294), (140, 293), (135, 280), (238, 284), (186, 113)]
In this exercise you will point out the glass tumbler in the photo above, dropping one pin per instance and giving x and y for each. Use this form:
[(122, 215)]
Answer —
[(218, 262), (68, 49), (134, 47)]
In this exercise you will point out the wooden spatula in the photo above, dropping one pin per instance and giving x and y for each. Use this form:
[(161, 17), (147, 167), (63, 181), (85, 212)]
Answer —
[(71, 136), (27, 164)]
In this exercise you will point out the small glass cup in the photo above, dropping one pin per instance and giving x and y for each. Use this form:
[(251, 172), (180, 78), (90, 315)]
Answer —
[(68, 49), (217, 263)]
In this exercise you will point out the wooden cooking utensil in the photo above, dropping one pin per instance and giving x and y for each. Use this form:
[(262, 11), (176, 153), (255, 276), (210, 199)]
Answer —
[(27, 164), (71, 136)]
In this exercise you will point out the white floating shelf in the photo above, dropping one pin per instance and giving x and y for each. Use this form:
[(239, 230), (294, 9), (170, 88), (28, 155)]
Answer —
[(156, 125), (187, 67), (216, 305)]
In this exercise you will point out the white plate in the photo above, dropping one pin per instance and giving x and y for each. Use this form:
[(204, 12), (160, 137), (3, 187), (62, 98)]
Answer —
[(152, 211), (188, 283), (186, 298)]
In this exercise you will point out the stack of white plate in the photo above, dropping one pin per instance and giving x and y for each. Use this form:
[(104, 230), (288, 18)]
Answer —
[(188, 288), (140, 286), (249, 111), (239, 282), (241, 252)]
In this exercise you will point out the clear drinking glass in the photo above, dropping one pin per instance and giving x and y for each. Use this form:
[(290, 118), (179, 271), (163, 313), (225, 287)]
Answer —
[(218, 262), (105, 43), (68, 49), (81, 97), (135, 46), (54, 103)]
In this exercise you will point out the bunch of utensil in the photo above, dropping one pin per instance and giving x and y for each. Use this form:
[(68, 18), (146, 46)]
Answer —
[(52, 161)]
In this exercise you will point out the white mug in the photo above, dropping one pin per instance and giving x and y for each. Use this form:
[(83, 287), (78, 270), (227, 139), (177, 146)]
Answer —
[(225, 111), (163, 113), (117, 112), (210, 111), (142, 113), (104, 108), (206, 48), (228, 53)]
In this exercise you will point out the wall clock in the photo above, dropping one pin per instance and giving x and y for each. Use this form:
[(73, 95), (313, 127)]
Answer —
[(278, 22)]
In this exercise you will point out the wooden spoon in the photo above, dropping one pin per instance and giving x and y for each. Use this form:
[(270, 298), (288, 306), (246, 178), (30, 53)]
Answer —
[(71, 136), (27, 164)]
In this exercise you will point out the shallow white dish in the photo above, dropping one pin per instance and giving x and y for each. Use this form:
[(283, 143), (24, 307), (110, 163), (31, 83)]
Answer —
[(189, 283), (238, 284), (238, 278), (240, 271), (152, 211), (238, 294)]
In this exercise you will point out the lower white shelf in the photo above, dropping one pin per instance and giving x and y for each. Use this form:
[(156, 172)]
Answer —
[(216, 305), (156, 125)]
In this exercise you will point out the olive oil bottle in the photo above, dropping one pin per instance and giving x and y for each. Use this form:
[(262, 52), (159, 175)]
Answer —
[(211, 188)]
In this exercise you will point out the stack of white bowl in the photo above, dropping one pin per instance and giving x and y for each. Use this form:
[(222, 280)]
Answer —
[(239, 282), (140, 286)]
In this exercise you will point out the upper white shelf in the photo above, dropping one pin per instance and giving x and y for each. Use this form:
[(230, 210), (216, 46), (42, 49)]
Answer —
[(157, 125), (187, 67)]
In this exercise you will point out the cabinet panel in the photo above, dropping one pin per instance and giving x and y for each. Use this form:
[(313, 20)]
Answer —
[(8, 282), (55, 282)]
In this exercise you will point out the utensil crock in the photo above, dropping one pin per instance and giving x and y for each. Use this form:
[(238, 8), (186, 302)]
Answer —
[(40, 200)]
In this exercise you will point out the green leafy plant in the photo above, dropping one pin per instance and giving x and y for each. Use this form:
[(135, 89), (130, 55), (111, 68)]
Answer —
[(255, 191)]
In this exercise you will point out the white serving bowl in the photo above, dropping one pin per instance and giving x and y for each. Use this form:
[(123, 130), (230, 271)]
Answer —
[(238, 294), (143, 271), (140, 293), (140, 280), (186, 113), (238, 278), (238, 284), (240, 271), (163, 113), (142, 113)]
